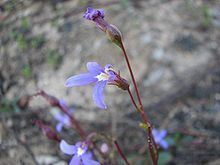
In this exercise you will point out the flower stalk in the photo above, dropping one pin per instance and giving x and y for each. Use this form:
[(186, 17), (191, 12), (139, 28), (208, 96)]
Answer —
[(51, 134), (47, 131), (56, 103), (114, 35), (120, 152), (150, 139)]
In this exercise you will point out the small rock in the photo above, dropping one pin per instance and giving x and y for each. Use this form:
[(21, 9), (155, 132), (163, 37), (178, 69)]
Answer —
[(186, 43), (215, 162), (48, 159), (146, 38), (158, 54)]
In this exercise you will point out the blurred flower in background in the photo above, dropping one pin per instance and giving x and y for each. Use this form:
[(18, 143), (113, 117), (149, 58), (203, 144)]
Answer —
[(79, 152), (159, 136), (63, 119)]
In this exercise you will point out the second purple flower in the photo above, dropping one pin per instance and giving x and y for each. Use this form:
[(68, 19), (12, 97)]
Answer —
[(100, 76)]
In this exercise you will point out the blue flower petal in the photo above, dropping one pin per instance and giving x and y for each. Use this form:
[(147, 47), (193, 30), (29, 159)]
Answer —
[(89, 9), (91, 13), (58, 116), (59, 127), (87, 161), (162, 133), (75, 160), (98, 95), (81, 79), (66, 148), (164, 144), (94, 68), (88, 155), (108, 66), (156, 135), (62, 103)]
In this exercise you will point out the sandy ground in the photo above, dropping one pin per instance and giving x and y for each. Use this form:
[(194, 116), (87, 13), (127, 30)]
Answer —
[(174, 51)]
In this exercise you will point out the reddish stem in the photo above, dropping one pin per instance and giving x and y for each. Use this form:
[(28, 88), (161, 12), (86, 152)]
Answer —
[(120, 152), (132, 76), (47, 130), (151, 141), (75, 124), (132, 98), (73, 121), (55, 103)]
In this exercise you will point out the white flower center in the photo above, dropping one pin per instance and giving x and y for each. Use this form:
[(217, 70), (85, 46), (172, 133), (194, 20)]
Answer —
[(80, 151), (102, 77)]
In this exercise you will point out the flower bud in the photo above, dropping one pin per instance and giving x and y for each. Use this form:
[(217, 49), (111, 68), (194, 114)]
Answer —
[(53, 101), (47, 131), (122, 83), (117, 80), (23, 101), (104, 148), (114, 35)]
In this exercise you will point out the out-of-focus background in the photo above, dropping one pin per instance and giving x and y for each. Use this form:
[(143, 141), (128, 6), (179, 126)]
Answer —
[(174, 50)]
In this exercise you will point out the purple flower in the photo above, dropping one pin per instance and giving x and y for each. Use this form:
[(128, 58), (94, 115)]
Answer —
[(96, 75), (63, 119), (97, 16), (159, 136), (92, 14), (79, 152)]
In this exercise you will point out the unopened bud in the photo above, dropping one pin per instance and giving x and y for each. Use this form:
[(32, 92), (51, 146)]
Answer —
[(118, 80), (23, 101), (122, 83), (104, 148), (114, 35), (47, 131), (53, 101)]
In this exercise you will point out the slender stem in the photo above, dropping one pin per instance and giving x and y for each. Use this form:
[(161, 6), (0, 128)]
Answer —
[(132, 98), (132, 76), (150, 137), (75, 124), (120, 152), (151, 141), (73, 121), (55, 102)]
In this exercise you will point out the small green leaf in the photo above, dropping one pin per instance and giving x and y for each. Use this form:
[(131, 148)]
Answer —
[(25, 25), (143, 125), (26, 71), (177, 138), (6, 106), (206, 21), (22, 42), (37, 41), (54, 58)]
